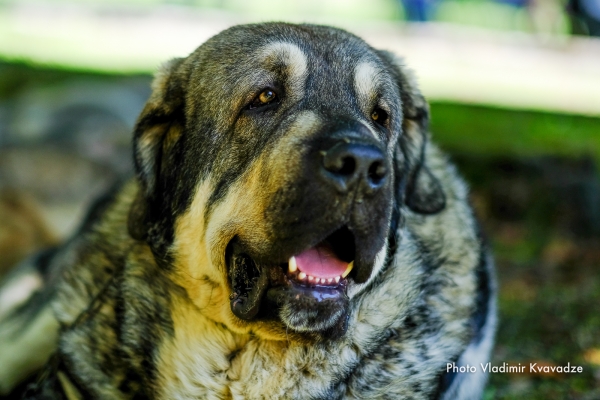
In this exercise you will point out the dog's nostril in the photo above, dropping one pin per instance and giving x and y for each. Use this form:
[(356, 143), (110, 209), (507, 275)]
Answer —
[(346, 164), (377, 172), (339, 164)]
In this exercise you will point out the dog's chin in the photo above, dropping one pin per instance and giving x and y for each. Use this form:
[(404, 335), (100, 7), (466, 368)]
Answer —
[(319, 310), (307, 293)]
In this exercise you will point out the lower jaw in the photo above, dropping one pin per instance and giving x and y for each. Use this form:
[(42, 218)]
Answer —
[(311, 310)]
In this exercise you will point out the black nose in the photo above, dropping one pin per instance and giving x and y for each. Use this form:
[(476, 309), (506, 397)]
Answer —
[(348, 164)]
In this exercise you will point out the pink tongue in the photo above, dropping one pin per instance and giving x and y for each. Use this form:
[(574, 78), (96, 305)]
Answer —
[(320, 262)]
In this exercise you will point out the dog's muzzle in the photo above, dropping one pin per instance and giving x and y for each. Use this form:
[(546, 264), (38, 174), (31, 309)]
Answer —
[(343, 203)]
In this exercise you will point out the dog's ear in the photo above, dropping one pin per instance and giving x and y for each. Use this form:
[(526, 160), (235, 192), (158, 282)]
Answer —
[(157, 129), (423, 192)]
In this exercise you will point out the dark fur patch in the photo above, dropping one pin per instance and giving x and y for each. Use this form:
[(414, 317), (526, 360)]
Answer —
[(484, 294)]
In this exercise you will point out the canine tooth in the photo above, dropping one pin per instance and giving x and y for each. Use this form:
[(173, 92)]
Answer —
[(330, 280), (310, 278), (301, 276), (348, 269), (337, 279), (292, 266)]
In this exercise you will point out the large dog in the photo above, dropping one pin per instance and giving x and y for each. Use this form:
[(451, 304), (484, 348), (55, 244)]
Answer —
[(289, 234)]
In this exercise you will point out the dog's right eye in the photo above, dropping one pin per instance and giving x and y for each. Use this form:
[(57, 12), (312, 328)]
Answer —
[(266, 97), (379, 116)]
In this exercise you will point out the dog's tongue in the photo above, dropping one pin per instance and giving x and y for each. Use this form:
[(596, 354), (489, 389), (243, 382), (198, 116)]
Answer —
[(321, 262)]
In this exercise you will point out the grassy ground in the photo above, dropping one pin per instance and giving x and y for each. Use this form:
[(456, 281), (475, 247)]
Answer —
[(549, 315), (547, 265)]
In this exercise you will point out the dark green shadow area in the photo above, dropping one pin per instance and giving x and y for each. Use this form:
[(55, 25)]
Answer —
[(18, 74), (490, 131)]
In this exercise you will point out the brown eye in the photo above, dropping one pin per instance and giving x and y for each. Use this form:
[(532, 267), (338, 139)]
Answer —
[(379, 116), (265, 97)]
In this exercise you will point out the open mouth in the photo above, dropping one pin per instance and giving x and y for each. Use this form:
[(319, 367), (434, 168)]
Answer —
[(314, 279), (326, 264)]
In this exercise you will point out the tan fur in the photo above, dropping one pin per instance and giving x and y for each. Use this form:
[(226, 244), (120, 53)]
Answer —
[(200, 245)]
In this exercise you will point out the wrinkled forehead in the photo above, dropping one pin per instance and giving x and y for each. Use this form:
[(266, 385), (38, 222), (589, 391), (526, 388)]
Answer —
[(319, 59)]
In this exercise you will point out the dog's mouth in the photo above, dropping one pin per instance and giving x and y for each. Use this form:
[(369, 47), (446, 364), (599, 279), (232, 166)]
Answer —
[(313, 281)]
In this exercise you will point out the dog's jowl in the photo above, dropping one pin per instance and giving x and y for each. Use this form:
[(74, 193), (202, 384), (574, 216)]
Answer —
[(290, 234)]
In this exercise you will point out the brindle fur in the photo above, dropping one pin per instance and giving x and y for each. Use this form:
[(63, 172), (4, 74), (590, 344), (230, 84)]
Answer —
[(138, 299)]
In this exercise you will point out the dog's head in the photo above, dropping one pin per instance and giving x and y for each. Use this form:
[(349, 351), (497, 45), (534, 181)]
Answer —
[(274, 164)]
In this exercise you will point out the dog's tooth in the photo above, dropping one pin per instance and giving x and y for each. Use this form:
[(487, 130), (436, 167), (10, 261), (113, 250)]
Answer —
[(310, 278), (348, 269), (292, 266), (337, 279), (301, 276), (330, 280)]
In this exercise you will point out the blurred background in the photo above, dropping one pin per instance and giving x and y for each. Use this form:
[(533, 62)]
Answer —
[(514, 88)]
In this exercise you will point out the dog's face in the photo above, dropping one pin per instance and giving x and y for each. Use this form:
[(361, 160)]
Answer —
[(274, 164)]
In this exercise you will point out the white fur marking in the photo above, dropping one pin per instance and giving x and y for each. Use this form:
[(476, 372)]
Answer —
[(292, 56), (367, 78)]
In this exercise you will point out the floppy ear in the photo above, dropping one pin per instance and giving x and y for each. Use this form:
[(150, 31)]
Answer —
[(157, 129), (423, 192)]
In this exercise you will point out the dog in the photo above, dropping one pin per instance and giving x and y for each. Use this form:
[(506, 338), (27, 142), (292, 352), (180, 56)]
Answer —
[(290, 233)]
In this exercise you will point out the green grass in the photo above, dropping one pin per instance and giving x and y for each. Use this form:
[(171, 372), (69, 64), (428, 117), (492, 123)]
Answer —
[(493, 131), (556, 324)]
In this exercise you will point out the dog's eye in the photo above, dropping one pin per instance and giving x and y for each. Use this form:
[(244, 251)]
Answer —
[(265, 97), (378, 115)]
